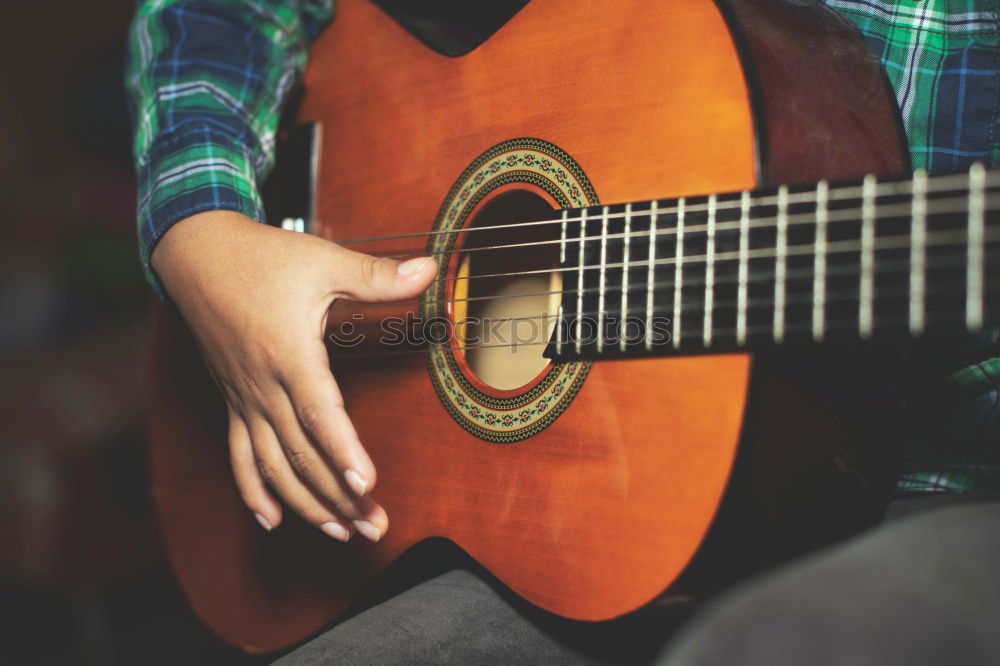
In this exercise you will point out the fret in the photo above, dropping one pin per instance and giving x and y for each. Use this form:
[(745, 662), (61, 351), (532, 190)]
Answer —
[(562, 235), (625, 262), (564, 218), (741, 289), (678, 273), (651, 275), (602, 280), (580, 282), (819, 262), (709, 273), (559, 330), (781, 255), (866, 289), (918, 251), (975, 249)]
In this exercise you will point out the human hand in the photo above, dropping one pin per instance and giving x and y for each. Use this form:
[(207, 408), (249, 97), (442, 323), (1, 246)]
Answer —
[(256, 299)]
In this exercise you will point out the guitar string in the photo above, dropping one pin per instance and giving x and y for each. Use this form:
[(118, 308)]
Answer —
[(884, 322), (796, 219), (839, 215), (837, 297), (936, 185), (845, 192), (934, 239), (832, 297)]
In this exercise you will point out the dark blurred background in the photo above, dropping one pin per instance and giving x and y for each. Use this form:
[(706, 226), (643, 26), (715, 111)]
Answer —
[(82, 574)]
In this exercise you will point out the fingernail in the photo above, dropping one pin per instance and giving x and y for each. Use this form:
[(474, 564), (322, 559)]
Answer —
[(411, 266), (263, 522), (356, 483), (368, 530), (336, 531)]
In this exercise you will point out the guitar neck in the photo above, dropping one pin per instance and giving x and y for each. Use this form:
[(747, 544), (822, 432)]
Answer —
[(850, 260)]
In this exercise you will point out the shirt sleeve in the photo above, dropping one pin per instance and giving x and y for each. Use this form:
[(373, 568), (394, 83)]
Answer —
[(206, 81)]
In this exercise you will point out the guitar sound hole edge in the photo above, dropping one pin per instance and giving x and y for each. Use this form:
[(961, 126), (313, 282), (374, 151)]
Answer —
[(503, 326)]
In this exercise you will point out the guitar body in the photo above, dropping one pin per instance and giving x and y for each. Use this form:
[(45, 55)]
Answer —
[(597, 511)]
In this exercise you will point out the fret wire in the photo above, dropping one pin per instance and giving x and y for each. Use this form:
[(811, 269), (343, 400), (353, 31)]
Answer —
[(678, 273), (972, 275), (832, 216), (650, 275), (819, 263), (885, 268), (942, 183), (898, 242), (562, 236), (706, 325), (625, 262), (781, 248), (974, 270), (882, 268), (841, 215), (602, 280), (742, 280), (802, 328), (579, 283), (559, 331), (562, 261), (866, 288), (889, 322), (834, 296), (918, 252)]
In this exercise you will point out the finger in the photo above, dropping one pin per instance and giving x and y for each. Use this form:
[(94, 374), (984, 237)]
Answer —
[(251, 485), (315, 471), (319, 409), (375, 521), (378, 279), (278, 474)]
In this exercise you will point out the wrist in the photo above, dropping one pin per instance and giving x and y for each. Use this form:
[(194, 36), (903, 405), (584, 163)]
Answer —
[(196, 243)]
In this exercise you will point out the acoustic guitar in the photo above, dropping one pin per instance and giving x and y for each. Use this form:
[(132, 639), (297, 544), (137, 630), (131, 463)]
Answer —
[(625, 199)]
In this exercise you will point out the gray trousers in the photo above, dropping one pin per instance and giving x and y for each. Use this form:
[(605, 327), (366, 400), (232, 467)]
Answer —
[(923, 588)]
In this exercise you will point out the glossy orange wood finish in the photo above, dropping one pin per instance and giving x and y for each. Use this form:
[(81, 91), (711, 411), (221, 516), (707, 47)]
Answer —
[(599, 513), (560, 516)]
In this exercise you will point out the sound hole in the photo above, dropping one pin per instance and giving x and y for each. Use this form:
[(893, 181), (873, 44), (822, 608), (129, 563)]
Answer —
[(507, 319)]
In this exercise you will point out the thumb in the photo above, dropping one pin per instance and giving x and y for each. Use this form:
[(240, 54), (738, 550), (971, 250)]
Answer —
[(362, 277)]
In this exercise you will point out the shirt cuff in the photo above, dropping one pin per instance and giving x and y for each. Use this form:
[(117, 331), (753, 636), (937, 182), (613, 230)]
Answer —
[(195, 169)]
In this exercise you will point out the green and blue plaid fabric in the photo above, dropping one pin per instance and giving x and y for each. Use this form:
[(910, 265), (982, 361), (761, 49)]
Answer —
[(207, 79), (942, 58)]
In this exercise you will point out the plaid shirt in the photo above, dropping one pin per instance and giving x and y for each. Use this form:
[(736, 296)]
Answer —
[(207, 79)]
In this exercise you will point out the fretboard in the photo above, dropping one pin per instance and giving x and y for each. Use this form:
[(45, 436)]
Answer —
[(741, 270)]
